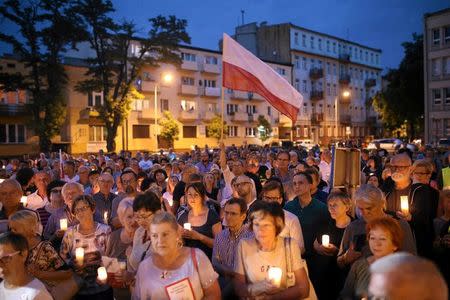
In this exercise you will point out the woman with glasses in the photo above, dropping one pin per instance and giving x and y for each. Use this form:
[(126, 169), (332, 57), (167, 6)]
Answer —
[(56, 201), (204, 221), (91, 236), (144, 207)]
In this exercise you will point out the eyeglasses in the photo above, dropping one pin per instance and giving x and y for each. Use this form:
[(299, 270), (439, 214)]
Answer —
[(422, 173), (271, 199), (7, 258), (81, 209), (143, 216)]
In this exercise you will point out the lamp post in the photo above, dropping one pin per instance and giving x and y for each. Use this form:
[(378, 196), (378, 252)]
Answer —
[(166, 78), (345, 94)]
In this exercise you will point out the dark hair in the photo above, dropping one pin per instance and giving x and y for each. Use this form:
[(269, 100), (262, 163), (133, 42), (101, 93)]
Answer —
[(239, 201), (159, 171), (70, 163), (17, 242), (284, 152), (274, 183), (199, 187), (86, 198), (307, 176), (148, 201), (128, 172), (262, 208), (24, 176), (313, 172), (93, 172), (195, 177), (53, 184)]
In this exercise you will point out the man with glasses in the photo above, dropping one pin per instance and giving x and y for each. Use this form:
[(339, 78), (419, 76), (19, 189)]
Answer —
[(399, 183), (129, 184), (103, 199), (246, 190), (226, 242), (283, 172), (17, 282)]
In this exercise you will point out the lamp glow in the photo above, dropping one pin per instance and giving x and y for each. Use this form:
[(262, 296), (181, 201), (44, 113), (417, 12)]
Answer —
[(274, 274)]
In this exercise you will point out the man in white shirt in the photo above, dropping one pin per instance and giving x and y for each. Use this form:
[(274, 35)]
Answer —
[(146, 163), (69, 172), (325, 165), (39, 198), (17, 282)]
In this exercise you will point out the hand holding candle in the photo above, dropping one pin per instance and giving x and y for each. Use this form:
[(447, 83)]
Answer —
[(63, 224), (326, 240), (102, 276), (105, 217), (404, 205), (24, 200), (274, 275), (187, 226), (79, 255)]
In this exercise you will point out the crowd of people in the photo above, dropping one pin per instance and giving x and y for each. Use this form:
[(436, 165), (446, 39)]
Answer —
[(226, 223)]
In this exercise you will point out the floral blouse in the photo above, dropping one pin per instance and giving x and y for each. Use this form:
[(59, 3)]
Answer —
[(43, 257)]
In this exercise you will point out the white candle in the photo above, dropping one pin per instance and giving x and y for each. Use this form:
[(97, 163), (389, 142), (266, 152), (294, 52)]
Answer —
[(102, 275), (63, 224), (122, 265), (274, 274), (404, 204), (187, 226), (24, 200), (325, 240), (105, 217), (79, 255), (1, 180)]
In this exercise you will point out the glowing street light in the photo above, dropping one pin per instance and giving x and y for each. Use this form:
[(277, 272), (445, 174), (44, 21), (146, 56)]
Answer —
[(345, 94)]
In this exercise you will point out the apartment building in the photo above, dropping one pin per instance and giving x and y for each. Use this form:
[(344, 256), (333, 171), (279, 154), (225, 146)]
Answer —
[(334, 75), (437, 75)]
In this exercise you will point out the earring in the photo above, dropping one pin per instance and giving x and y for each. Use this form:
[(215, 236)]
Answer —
[(179, 243)]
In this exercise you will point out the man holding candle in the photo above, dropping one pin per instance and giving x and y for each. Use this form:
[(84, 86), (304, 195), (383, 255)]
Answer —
[(103, 199)]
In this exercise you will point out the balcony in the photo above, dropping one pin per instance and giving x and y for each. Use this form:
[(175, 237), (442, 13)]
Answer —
[(148, 86), (90, 115), (189, 65), (346, 119), (239, 117), (370, 82), (316, 118), (189, 90), (316, 95), (344, 57), (212, 92), (210, 68), (252, 117), (188, 115), (316, 73), (13, 110), (344, 79), (284, 120), (240, 95)]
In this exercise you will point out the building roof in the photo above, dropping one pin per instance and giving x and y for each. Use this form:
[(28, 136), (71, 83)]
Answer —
[(436, 13)]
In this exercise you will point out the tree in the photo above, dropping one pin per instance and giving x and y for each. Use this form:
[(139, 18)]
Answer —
[(170, 129), (264, 128), (48, 28), (113, 71), (214, 128), (401, 103)]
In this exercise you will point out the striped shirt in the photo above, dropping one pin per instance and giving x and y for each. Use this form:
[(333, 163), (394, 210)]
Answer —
[(225, 245)]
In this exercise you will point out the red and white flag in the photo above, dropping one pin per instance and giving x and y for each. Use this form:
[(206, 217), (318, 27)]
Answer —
[(245, 72)]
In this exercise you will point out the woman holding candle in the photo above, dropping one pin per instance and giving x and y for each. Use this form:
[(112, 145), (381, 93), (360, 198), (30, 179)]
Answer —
[(172, 267), (257, 257), (90, 236), (385, 237), (204, 221)]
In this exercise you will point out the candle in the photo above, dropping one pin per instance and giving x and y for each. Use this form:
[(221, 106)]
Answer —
[(187, 226), (1, 180), (101, 274), (122, 265), (325, 240), (24, 200), (404, 205), (79, 255), (63, 224), (274, 274), (105, 217)]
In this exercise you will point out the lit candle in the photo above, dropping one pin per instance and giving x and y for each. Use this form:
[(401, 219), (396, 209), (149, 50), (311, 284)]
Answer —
[(187, 226), (79, 255), (274, 274), (404, 205), (63, 224), (24, 200), (1, 180), (105, 217), (122, 265), (101, 274), (325, 240)]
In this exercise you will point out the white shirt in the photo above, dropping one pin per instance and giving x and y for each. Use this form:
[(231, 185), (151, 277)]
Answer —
[(325, 170), (34, 201), (293, 229), (34, 290), (145, 164), (76, 178)]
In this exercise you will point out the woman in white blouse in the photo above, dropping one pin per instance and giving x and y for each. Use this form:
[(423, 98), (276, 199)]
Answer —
[(173, 270)]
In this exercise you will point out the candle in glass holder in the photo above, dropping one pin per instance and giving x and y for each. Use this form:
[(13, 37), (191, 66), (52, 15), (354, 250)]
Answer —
[(274, 274), (187, 226), (24, 200), (325, 240), (79, 255), (63, 224), (105, 217), (102, 275), (404, 204)]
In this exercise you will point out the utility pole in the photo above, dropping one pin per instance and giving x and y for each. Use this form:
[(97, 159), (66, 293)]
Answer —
[(242, 13)]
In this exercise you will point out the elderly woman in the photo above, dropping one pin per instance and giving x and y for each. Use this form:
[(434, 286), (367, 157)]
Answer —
[(258, 257), (160, 177), (173, 269), (144, 207), (385, 237), (203, 219), (91, 236), (370, 204)]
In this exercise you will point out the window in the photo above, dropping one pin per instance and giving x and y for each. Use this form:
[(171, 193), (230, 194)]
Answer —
[(211, 60), (437, 96), (232, 108), (303, 40), (320, 44), (209, 83), (334, 90), (296, 38), (305, 131), (251, 109), (297, 84), (328, 89), (334, 70), (328, 68), (377, 61), (435, 67), (97, 134), (188, 56), (447, 35), (212, 107), (304, 87), (297, 61), (11, 66), (305, 108), (304, 63), (334, 47), (95, 99), (232, 131), (187, 81), (360, 54), (187, 105), (321, 131), (371, 57), (269, 110), (250, 131), (328, 46), (447, 95), (12, 133), (164, 105), (189, 131), (447, 65), (350, 51), (311, 42), (281, 71), (367, 56), (140, 104), (436, 37), (141, 131)]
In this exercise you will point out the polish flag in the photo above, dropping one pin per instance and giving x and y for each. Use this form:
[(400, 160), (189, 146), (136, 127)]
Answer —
[(245, 72)]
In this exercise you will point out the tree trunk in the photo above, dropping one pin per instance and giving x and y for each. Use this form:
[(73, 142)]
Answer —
[(44, 141), (110, 138)]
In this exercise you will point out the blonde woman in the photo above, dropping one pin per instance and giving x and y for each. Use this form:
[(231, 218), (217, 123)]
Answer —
[(172, 267)]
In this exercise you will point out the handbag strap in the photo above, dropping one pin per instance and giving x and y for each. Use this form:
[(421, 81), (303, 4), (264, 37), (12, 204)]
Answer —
[(194, 259), (287, 249)]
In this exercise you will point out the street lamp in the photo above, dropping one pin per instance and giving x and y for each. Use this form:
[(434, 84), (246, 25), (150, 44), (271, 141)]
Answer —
[(345, 94), (166, 78)]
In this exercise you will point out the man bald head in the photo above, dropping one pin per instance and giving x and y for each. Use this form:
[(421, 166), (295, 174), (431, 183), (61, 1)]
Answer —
[(404, 276)]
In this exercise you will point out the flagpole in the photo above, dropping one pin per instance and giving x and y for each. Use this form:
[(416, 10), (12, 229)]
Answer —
[(222, 112)]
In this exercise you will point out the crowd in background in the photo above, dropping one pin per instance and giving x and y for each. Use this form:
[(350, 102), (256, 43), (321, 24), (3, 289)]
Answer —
[(231, 222)]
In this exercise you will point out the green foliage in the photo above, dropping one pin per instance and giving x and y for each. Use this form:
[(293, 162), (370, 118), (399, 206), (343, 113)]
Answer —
[(215, 127), (169, 127), (402, 101), (266, 128), (113, 71)]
